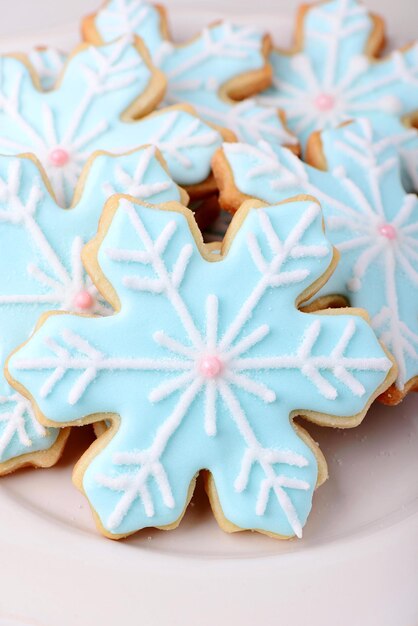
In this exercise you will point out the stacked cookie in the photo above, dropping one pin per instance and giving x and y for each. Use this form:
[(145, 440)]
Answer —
[(187, 356)]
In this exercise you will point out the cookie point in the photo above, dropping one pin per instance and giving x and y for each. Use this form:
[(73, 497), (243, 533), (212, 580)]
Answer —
[(210, 366), (325, 102), (83, 300), (59, 157), (388, 231)]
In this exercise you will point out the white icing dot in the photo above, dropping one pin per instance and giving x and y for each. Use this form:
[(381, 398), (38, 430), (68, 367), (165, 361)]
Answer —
[(390, 104), (298, 62), (359, 64), (339, 172), (270, 397)]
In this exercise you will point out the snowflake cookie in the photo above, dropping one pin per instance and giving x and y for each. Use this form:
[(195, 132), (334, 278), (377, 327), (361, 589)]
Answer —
[(368, 216), (48, 63), (41, 269), (223, 64), (334, 75), (195, 375), (95, 106)]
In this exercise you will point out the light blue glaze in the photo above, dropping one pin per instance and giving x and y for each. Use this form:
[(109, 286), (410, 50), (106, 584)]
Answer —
[(197, 71), (333, 61), (275, 174), (109, 480), (48, 64), (405, 141), (84, 114), (20, 251)]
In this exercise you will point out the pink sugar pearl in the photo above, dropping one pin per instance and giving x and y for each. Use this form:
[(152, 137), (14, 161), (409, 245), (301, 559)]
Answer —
[(83, 300), (59, 157), (325, 102), (210, 366), (388, 231)]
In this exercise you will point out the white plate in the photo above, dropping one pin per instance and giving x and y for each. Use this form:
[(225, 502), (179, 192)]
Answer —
[(56, 22), (358, 562)]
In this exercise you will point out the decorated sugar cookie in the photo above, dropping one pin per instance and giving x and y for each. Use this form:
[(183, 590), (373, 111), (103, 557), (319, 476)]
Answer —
[(102, 93), (120, 18), (333, 75), (368, 216), (224, 62), (48, 63), (41, 269), (213, 379)]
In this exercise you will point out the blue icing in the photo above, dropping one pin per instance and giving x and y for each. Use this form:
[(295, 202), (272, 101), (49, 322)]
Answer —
[(178, 415), (132, 17), (346, 22), (405, 140), (220, 54), (361, 194), (87, 112), (41, 266), (331, 79), (48, 64), (198, 70)]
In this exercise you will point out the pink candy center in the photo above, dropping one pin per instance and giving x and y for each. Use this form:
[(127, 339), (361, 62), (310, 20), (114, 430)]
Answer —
[(210, 366), (83, 300), (325, 102), (388, 231), (59, 157)]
